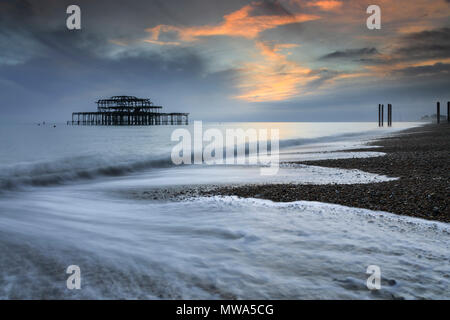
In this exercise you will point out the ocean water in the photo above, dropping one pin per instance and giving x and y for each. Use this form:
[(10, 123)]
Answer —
[(77, 196)]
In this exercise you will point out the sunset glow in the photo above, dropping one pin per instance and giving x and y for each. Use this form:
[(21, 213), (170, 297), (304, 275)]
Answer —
[(298, 53)]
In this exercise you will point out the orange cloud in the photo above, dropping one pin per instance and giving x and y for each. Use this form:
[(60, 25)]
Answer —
[(271, 76), (156, 32), (118, 42), (239, 23), (274, 78), (325, 4), (163, 43)]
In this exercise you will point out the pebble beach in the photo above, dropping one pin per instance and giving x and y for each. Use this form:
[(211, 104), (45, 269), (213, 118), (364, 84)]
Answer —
[(419, 157)]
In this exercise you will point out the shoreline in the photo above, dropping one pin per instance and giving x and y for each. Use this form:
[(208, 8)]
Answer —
[(419, 157)]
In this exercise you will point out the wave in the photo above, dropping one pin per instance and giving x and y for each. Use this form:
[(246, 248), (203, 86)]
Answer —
[(330, 209), (65, 170), (331, 138)]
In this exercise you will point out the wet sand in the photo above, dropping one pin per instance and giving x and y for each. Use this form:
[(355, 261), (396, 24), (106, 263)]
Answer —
[(419, 157)]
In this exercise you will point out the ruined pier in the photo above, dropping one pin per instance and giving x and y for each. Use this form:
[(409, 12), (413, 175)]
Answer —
[(128, 111)]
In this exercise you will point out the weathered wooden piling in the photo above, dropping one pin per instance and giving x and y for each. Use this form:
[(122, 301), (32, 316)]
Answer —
[(389, 115), (128, 111), (379, 115), (448, 111), (382, 115), (438, 112)]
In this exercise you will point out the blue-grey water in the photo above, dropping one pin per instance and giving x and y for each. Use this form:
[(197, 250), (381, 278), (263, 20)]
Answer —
[(76, 196)]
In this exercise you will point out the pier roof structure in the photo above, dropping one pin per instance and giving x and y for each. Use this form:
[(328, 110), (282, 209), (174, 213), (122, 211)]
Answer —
[(126, 103), (128, 110)]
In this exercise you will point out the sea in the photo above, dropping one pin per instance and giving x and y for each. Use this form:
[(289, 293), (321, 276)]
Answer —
[(84, 196)]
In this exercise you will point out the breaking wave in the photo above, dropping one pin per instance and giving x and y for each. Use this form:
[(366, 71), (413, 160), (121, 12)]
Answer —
[(65, 170)]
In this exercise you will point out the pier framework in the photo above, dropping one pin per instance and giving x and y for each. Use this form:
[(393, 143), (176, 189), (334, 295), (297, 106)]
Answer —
[(128, 111)]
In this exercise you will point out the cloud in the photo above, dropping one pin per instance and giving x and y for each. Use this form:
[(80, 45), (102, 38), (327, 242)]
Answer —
[(413, 55), (351, 53), (244, 22), (325, 4), (220, 53), (277, 78), (427, 70), (269, 8), (430, 44), (320, 77), (274, 77)]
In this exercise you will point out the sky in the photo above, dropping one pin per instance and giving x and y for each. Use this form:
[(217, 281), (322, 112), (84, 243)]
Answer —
[(233, 60)]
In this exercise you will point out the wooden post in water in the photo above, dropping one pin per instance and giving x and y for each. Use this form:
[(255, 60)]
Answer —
[(438, 112), (390, 115), (382, 115), (379, 115), (448, 111)]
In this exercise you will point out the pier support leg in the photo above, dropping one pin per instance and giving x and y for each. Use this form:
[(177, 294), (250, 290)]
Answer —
[(379, 115), (438, 112), (390, 115)]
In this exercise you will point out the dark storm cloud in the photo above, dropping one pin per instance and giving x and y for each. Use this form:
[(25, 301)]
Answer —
[(43, 22), (432, 44), (269, 7), (58, 85), (351, 53), (48, 71), (436, 69), (17, 42)]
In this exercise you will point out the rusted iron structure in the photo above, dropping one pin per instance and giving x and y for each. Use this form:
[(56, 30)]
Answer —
[(128, 111)]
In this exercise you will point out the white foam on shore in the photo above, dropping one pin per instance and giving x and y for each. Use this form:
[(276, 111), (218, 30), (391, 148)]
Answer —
[(292, 157), (327, 207), (214, 248), (329, 151), (226, 175)]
